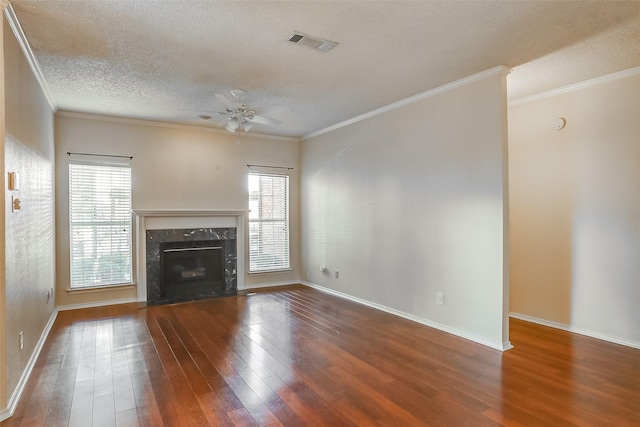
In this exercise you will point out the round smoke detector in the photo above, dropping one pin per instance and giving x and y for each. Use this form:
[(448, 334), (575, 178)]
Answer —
[(559, 123)]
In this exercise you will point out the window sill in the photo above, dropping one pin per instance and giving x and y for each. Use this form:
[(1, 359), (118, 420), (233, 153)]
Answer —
[(104, 288), (284, 270)]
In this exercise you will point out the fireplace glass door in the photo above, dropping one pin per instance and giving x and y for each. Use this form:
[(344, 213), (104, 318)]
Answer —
[(192, 270)]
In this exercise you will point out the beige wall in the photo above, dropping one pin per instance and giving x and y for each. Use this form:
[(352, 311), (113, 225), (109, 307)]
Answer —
[(29, 233), (411, 202), (3, 315), (173, 167), (575, 209)]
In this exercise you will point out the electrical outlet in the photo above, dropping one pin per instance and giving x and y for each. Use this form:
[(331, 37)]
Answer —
[(48, 296), (15, 204), (322, 269), (439, 298), (21, 339)]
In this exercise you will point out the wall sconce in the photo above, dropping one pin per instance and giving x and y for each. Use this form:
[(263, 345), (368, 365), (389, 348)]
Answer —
[(14, 181)]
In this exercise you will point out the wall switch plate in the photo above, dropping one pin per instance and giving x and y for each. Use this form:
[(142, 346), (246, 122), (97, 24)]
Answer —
[(337, 274), (21, 339), (439, 298), (13, 181)]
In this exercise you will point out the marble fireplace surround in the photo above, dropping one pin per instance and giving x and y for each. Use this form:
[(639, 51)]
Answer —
[(167, 219)]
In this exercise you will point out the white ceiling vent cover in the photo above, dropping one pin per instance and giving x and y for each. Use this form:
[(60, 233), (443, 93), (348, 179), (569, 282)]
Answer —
[(313, 42)]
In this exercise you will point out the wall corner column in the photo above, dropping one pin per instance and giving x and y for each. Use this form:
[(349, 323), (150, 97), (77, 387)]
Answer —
[(506, 343)]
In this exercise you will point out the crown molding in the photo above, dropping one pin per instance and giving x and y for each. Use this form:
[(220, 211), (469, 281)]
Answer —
[(499, 70), (173, 125), (576, 86), (10, 14)]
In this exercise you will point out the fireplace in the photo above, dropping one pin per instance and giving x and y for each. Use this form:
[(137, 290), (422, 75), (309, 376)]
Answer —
[(159, 230), (191, 270)]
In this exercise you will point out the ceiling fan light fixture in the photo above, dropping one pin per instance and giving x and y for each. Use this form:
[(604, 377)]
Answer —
[(233, 125), (239, 115)]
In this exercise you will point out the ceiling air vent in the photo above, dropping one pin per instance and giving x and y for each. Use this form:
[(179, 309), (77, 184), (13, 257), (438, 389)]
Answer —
[(313, 42)]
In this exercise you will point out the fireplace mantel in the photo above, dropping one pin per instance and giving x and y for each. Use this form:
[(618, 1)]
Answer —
[(189, 212), (159, 219)]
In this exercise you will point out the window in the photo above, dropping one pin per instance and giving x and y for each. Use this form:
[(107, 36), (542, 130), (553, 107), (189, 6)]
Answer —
[(100, 224), (268, 222)]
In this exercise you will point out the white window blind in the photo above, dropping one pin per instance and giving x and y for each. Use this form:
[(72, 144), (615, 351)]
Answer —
[(100, 224), (268, 222)]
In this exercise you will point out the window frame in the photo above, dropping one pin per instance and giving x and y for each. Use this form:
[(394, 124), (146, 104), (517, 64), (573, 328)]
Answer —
[(286, 264), (124, 220)]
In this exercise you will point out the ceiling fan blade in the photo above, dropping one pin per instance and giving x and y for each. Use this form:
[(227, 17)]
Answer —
[(238, 94), (193, 111), (247, 126), (225, 101), (269, 110), (221, 122), (265, 121)]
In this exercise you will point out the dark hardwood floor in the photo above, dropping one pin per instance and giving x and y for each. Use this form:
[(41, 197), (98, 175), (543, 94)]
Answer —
[(295, 356)]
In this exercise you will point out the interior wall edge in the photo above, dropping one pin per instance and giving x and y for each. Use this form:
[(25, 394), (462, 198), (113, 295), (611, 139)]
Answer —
[(26, 374), (572, 329), (500, 346), (3, 240), (12, 19)]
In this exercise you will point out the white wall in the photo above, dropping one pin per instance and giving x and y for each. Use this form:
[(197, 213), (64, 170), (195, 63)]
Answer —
[(575, 209), (173, 167), (411, 202), (29, 233)]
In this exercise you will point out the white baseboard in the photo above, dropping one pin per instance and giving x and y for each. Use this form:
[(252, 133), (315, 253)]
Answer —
[(17, 393), (96, 304), (268, 285), (575, 330), (462, 334)]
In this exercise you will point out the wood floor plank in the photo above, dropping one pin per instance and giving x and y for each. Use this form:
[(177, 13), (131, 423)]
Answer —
[(294, 356)]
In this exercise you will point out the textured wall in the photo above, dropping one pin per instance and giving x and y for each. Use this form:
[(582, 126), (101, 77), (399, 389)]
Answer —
[(173, 167), (3, 337), (29, 239), (575, 209), (409, 203)]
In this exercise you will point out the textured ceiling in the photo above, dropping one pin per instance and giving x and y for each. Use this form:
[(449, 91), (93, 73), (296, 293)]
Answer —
[(165, 60)]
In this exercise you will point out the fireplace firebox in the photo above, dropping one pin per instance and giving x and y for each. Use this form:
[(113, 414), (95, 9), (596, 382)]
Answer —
[(191, 270)]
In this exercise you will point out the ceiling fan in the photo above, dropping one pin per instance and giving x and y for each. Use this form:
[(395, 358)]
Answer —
[(238, 115)]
